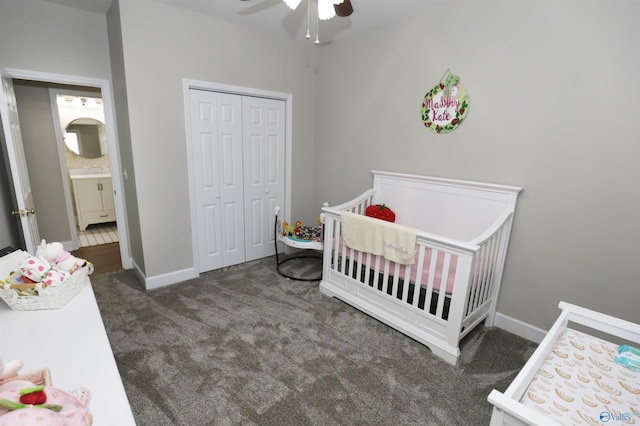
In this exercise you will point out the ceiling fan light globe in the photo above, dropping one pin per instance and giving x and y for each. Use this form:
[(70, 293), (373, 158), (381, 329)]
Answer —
[(293, 4), (326, 10)]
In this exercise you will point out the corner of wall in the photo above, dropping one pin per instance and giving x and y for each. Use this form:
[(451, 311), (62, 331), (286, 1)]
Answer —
[(519, 328)]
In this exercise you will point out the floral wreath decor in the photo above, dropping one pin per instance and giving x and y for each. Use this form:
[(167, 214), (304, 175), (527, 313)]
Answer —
[(446, 105)]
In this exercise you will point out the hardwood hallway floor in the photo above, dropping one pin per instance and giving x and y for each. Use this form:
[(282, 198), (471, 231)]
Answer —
[(105, 257)]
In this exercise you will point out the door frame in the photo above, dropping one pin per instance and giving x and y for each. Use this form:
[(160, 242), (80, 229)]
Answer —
[(189, 84), (112, 138)]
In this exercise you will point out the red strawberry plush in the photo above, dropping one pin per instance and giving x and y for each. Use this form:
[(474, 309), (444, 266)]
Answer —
[(33, 396), (380, 211)]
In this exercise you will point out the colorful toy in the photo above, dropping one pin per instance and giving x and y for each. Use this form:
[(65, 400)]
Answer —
[(40, 405), (301, 232), (55, 254)]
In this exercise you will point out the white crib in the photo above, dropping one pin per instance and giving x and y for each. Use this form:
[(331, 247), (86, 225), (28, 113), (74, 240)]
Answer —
[(572, 377), (464, 233)]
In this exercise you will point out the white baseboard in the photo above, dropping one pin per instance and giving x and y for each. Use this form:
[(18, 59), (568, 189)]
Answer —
[(158, 281), (519, 328), (170, 278)]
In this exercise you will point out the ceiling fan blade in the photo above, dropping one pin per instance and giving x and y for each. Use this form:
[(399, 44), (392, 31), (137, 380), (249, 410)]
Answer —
[(343, 9)]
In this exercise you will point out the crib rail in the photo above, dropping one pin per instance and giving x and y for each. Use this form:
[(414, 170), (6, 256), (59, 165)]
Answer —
[(357, 205), (486, 276), (437, 300)]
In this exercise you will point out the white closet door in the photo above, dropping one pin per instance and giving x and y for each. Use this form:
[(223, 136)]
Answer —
[(216, 123), (264, 151)]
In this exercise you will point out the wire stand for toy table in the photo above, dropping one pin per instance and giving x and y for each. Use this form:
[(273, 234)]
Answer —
[(300, 244)]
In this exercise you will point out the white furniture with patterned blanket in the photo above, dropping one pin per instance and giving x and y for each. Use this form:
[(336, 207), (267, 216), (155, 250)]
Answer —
[(73, 344), (572, 377), (462, 239)]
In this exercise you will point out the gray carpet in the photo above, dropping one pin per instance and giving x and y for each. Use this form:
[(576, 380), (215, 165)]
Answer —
[(244, 345)]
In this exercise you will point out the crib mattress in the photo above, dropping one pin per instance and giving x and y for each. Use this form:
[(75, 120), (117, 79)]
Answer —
[(413, 275), (580, 383)]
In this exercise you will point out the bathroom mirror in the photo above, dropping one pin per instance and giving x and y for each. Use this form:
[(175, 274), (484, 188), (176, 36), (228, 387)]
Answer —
[(86, 137)]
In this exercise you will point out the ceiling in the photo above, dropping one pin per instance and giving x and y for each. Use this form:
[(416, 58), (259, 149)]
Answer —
[(275, 17)]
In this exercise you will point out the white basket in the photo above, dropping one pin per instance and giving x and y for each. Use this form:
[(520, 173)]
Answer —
[(50, 297)]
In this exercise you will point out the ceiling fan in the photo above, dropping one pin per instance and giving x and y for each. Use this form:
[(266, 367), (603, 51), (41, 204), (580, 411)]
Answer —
[(327, 9)]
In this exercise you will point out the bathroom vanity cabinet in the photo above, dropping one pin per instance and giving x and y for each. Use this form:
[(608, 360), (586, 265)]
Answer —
[(93, 196)]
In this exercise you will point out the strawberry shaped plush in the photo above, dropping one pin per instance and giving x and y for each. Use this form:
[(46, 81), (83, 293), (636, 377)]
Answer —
[(33, 396), (380, 211)]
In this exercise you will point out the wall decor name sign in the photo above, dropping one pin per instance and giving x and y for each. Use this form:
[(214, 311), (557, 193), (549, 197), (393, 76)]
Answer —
[(446, 105)]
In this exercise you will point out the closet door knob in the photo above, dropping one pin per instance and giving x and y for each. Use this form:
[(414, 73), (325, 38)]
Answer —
[(217, 195)]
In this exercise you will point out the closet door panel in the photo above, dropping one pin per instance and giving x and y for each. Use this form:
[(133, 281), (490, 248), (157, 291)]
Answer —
[(263, 128), (254, 233), (233, 245), (209, 188), (205, 155), (254, 190), (216, 123), (230, 168), (210, 239)]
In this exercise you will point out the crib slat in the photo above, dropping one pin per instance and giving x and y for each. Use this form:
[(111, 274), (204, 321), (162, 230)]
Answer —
[(396, 279), (499, 253), (475, 280), (376, 271), (359, 267), (480, 277), (491, 248), (367, 269), (351, 261), (416, 288), (385, 276), (405, 286), (443, 283), (429, 292), (336, 252)]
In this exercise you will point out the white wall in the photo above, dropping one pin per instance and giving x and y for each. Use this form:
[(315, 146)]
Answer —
[(553, 90), (121, 113), (44, 37), (162, 46)]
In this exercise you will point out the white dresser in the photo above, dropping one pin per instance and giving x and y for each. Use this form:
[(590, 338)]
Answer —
[(72, 343)]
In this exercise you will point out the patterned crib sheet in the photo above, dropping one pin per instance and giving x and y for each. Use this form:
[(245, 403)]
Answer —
[(580, 384)]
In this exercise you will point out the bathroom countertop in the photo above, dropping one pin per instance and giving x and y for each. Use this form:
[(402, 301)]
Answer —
[(90, 173)]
